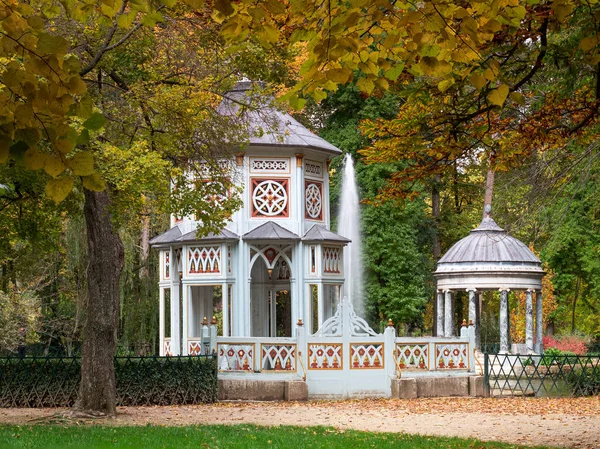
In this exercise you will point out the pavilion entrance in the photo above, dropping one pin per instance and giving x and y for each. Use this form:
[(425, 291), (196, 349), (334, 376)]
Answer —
[(271, 298)]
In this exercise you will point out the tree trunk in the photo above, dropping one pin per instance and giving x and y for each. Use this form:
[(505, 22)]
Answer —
[(437, 242), (489, 190), (97, 391)]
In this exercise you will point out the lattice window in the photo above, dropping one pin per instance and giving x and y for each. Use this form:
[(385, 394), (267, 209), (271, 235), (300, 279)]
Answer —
[(269, 165), (366, 355), (313, 193), (228, 259), (270, 198), (324, 356), (166, 265), (204, 259), (279, 357), (412, 356), (452, 355), (312, 168), (236, 357), (332, 260)]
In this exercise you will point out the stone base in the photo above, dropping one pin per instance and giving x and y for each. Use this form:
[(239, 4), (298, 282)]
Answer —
[(427, 387), (262, 390)]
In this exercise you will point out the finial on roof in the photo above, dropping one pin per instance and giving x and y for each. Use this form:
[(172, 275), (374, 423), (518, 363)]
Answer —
[(487, 210)]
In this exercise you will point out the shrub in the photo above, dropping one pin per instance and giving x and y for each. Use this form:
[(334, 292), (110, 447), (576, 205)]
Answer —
[(54, 382), (567, 343), (585, 381)]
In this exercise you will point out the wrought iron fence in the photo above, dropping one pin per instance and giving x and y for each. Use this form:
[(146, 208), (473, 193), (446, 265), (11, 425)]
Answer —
[(54, 381), (542, 375)]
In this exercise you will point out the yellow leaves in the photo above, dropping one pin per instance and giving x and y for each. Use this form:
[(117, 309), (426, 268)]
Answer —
[(126, 20), (58, 189), (587, 43), (82, 164), (51, 44), (562, 9), (339, 76), (53, 165), (93, 182), (34, 159), (224, 7), (518, 97), (445, 84), (497, 97), (365, 85)]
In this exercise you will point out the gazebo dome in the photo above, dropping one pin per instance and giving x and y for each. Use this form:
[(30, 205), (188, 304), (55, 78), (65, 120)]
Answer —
[(488, 258)]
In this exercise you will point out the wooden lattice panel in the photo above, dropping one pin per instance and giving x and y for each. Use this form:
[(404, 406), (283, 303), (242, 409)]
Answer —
[(270, 198), (412, 356), (313, 204), (332, 260), (204, 259), (452, 355), (236, 356), (325, 356), (366, 355), (278, 357)]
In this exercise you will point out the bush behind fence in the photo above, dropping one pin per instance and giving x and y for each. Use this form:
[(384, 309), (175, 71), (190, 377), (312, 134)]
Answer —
[(54, 381)]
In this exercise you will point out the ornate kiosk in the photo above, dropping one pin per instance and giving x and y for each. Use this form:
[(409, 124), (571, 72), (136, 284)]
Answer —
[(275, 262)]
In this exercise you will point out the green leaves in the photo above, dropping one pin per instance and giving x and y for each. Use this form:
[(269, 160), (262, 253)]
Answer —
[(50, 44), (95, 122)]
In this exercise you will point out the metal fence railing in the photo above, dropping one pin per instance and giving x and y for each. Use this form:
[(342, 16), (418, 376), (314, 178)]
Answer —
[(54, 381), (542, 375)]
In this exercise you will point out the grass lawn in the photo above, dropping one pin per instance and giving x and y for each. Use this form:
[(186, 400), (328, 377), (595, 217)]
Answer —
[(223, 437)]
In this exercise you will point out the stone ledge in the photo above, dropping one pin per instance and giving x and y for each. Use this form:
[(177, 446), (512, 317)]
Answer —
[(262, 390), (424, 387)]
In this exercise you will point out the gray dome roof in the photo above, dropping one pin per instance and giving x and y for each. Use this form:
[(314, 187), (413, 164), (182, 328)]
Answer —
[(269, 126), (489, 243), (489, 258)]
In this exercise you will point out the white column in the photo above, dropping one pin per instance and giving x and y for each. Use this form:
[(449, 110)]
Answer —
[(539, 325), (529, 321), (440, 313), (185, 309), (448, 315), (504, 320), (473, 311), (161, 321), (175, 319), (225, 307)]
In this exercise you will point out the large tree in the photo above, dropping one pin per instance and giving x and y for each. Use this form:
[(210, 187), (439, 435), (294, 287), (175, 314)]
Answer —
[(105, 101)]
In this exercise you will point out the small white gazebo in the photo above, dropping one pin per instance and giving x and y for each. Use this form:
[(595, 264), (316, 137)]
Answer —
[(490, 259)]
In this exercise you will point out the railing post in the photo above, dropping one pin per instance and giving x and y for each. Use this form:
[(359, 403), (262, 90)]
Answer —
[(213, 335), (205, 338), (389, 338), (486, 375), (432, 365), (257, 357), (301, 349)]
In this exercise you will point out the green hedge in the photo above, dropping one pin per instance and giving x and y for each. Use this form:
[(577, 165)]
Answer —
[(54, 382)]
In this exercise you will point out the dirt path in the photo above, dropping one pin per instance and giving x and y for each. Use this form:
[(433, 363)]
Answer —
[(555, 422)]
